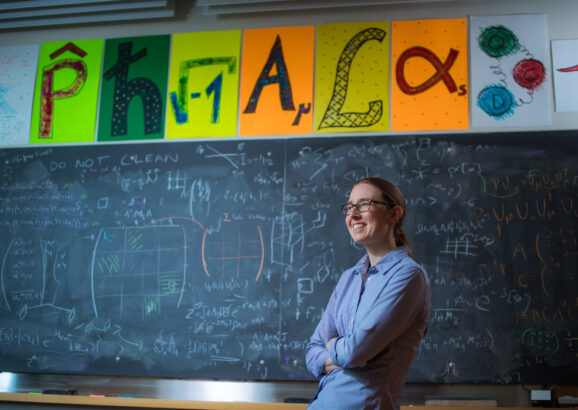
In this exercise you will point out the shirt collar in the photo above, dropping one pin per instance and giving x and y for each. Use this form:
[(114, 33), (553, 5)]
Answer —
[(390, 259)]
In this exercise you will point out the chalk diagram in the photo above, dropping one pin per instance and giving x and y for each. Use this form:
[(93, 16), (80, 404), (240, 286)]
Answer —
[(288, 236), (138, 271), (288, 242), (26, 276), (542, 341), (233, 251)]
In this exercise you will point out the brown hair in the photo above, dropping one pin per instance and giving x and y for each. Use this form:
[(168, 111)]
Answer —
[(392, 196)]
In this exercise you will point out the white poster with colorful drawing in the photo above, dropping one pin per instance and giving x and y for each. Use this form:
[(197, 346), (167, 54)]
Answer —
[(17, 75), (510, 71), (565, 69)]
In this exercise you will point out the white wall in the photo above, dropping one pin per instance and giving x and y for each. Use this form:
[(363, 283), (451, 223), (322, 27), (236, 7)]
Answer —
[(561, 15)]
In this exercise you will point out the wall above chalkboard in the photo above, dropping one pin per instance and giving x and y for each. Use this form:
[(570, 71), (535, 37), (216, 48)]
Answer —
[(215, 259)]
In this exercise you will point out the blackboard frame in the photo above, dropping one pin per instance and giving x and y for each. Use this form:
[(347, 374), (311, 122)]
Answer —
[(486, 246)]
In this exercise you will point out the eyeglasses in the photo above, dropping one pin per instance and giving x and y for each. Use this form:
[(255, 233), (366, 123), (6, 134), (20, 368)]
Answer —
[(361, 206)]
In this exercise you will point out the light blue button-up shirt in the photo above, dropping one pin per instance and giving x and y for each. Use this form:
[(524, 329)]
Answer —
[(377, 331)]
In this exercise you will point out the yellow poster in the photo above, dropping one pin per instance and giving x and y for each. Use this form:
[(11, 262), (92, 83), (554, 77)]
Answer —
[(277, 81), (351, 77), (204, 84), (66, 92), (429, 75)]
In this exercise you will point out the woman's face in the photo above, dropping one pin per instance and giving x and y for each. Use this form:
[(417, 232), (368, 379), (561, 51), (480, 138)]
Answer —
[(373, 228)]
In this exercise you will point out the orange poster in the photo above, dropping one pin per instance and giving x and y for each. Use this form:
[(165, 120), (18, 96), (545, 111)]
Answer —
[(277, 81), (429, 75)]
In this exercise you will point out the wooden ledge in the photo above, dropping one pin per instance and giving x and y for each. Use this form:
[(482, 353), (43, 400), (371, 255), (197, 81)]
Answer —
[(144, 403), (152, 403)]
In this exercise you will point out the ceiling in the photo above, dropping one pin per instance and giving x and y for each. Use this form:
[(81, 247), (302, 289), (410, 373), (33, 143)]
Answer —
[(16, 14)]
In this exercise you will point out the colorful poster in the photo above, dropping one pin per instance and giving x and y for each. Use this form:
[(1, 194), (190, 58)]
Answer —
[(352, 71), (66, 92), (565, 69), (277, 81), (204, 84), (134, 88), (429, 75), (510, 71), (18, 66)]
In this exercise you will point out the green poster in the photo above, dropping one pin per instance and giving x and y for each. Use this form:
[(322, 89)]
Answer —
[(66, 92), (134, 88)]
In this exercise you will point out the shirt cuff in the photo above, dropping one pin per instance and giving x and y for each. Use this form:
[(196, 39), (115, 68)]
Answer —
[(333, 352), (321, 363)]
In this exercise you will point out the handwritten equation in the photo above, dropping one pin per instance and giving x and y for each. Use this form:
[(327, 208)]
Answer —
[(216, 259)]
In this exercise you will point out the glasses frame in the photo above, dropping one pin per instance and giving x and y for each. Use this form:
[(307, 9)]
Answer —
[(348, 208)]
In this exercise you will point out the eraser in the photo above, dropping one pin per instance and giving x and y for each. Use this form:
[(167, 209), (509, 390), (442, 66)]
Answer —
[(545, 395), (66, 392), (296, 400)]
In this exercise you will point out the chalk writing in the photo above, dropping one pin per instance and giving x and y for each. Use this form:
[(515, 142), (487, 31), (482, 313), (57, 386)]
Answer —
[(217, 258)]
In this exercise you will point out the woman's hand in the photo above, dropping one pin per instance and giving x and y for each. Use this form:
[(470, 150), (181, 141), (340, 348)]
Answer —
[(329, 366)]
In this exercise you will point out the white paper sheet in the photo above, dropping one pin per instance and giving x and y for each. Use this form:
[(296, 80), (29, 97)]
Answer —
[(18, 66), (510, 71), (565, 69)]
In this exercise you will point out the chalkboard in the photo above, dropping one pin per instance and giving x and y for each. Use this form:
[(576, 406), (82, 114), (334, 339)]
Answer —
[(215, 259)]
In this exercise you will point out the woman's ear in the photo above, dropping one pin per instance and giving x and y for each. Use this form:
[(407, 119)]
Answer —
[(396, 214)]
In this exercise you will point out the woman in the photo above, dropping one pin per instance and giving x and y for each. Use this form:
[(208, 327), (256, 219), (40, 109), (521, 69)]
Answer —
[(378, 313)]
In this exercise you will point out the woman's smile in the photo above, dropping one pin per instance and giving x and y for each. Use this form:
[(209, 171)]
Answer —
[(357, 226)]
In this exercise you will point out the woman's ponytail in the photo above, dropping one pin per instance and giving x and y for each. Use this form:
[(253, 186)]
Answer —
[(401, 239)]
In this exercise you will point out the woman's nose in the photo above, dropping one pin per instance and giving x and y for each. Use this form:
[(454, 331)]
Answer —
[(354, 212)]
